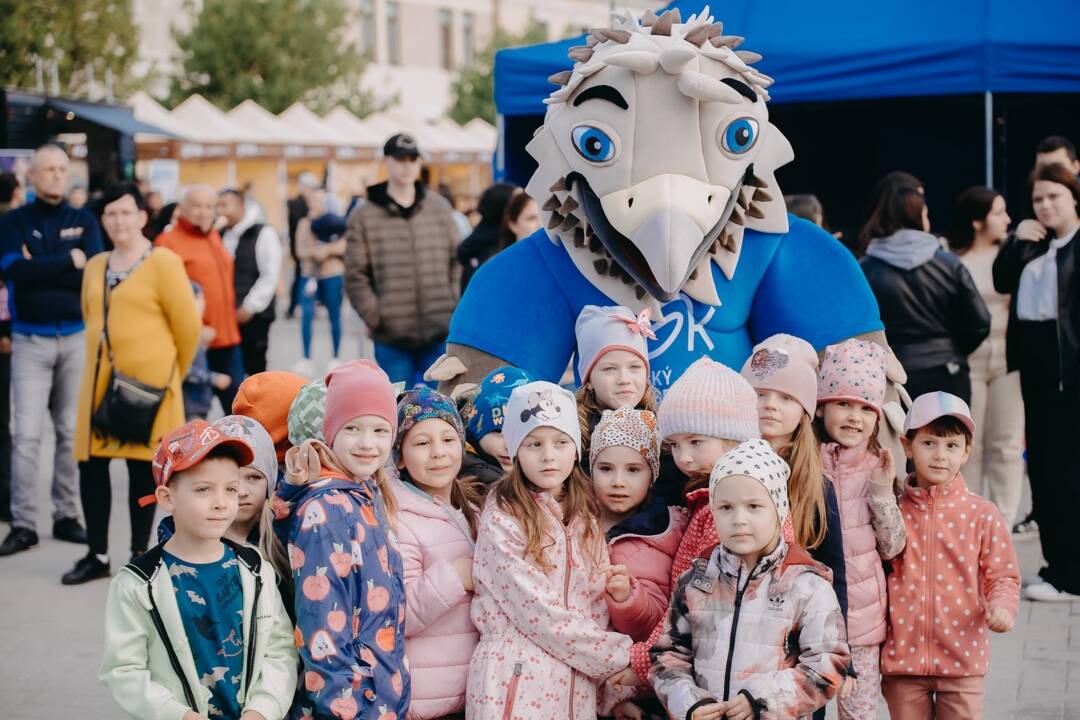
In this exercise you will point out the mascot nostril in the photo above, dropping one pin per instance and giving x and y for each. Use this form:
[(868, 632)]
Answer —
[(658, 190)]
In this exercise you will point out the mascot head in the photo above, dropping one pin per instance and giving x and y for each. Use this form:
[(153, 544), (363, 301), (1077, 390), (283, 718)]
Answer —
[(654, 156)]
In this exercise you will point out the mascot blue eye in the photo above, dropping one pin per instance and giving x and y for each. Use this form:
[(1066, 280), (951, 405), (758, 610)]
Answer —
[(740, 135), (593, 144)]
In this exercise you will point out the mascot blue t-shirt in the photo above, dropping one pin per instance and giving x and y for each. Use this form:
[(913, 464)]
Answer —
[(793, 283)]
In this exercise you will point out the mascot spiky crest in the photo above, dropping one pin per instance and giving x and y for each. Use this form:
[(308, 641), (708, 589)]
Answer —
[(641, 220)]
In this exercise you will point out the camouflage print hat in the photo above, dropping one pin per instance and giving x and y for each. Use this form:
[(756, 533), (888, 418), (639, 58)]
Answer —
[(306, 413)]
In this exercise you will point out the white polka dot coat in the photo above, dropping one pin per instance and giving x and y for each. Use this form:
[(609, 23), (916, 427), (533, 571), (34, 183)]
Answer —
[(959, 565), (544, 644)]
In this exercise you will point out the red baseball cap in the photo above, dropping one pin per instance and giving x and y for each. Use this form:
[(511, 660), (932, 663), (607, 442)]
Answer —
[(185, 447)]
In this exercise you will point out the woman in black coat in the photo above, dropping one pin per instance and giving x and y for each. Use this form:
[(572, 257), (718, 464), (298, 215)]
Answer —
[(1037, 265), (933, 314), (485, 240)]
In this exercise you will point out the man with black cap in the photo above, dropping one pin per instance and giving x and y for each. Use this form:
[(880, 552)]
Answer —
[(401, 268)]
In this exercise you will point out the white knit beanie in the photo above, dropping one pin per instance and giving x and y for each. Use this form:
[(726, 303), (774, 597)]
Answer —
[(540, 404), (600, 330), (756, 459), (710, 399)]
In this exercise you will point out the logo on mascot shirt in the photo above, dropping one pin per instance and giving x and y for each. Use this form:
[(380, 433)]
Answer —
[(680, 339)]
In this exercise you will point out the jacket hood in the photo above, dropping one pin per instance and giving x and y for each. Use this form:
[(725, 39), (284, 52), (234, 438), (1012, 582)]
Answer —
[(251, 216), (478, 464), (189, 228), (378, 194), (905, 249), (652, 518)]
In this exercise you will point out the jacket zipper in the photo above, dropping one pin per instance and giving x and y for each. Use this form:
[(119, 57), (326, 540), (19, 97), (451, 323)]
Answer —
[(511, 692), (252, 636), (566, 605), (416, 277), (929, 576), (159, 625), (734, 626)]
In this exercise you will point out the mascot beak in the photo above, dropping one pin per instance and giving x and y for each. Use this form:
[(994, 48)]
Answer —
[(671, 221)]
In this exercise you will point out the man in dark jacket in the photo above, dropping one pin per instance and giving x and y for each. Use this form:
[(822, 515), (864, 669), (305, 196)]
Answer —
[(401, 266), (43, 249)]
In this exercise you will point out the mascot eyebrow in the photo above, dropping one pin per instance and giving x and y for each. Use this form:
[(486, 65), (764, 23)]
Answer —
[(739, 87), (606, 92)]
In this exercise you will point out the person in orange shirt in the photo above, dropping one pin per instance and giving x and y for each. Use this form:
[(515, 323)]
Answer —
[(207, 263), (956, 579)]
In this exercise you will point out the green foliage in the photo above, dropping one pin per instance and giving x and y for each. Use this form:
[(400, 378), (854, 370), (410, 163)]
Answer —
[(78, 34), (473, 90), (274, 52)]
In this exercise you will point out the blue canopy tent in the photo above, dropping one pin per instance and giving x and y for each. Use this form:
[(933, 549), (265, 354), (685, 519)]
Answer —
[(846, 52)]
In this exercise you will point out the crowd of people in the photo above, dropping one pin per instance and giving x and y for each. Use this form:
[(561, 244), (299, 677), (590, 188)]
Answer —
[(339, 546)]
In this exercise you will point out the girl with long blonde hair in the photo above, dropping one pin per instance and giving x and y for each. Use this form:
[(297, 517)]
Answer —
[(783, 372), (538, 574)]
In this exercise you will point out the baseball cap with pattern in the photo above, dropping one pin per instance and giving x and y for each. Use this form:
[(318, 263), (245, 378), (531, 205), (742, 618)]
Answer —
[(187, 446)]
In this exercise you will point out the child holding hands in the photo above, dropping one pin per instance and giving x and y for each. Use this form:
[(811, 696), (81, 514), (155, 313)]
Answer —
[(958, 575), (538, 573), (754, 629), (851, 392)]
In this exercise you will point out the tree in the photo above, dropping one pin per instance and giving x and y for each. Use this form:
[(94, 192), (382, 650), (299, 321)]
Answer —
[(473, 90), (274, 52), (99, 35)]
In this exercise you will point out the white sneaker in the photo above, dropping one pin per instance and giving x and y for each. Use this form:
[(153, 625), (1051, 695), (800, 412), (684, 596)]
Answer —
[(1045, 592), (304, 367)]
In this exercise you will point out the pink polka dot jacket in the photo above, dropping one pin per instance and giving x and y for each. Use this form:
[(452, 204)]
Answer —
[(959, 566)]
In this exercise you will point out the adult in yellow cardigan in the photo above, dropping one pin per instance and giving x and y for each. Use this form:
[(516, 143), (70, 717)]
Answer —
[(153, 332)]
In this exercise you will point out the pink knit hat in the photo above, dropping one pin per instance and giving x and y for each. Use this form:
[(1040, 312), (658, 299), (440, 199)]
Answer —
[(853, 370), (787, 364), (602, 329), (710, 399), (357, 388)]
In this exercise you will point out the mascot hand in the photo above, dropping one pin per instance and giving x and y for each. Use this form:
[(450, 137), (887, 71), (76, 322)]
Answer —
[(461, 369)]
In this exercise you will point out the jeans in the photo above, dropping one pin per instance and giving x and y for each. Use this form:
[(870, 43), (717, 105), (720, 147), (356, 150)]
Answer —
[(46, 372), (5, 434), (96, 493), (330, 292), (229, 361), (408, 365)]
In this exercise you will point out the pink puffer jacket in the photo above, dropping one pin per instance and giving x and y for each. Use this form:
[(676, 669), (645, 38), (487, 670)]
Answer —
[(543, 639), (439, 634), (645, 543), (873, 530)]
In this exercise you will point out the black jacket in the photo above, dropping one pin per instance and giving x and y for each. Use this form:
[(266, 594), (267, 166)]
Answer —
[(933, 313), (1022, 347)]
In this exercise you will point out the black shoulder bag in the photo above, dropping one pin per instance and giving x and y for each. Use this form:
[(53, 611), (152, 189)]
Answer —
[(129, 407)]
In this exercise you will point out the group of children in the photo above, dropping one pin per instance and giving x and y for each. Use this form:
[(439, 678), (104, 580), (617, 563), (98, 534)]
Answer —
[(521, 552)]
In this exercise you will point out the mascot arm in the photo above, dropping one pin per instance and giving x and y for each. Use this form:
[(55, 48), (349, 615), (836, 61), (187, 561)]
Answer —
[(513, 312), (813, 289)]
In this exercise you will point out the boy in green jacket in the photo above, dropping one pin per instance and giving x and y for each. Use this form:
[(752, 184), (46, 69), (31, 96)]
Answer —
[(195, 628)]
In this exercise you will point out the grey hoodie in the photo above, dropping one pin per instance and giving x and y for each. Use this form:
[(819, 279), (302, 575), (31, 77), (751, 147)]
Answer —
[(905, 249)]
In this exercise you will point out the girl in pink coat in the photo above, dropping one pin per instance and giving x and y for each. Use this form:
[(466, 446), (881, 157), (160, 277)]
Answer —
[(436, 526), (539, 570), (851, 392)]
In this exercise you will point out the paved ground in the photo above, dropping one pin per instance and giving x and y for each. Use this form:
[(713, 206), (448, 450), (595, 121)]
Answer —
[(52, 635)]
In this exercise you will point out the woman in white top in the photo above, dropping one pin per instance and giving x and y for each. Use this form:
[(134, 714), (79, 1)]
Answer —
[(980, 224), (1037, 265)]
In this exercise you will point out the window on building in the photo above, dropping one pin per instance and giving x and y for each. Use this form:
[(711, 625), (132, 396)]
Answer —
[(367, 27), (468, 37), (446, 36), (393, 33)]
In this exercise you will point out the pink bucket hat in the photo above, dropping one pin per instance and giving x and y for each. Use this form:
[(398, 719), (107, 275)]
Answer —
[(928, 407), (602, 329), (787, 364), (853, 370)]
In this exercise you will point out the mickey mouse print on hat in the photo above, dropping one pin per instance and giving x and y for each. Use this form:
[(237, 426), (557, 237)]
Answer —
[(853, 370), (540, 404), (755, 459)]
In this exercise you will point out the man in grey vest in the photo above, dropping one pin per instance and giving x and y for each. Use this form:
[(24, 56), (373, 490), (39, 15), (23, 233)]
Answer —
[(257, 255)]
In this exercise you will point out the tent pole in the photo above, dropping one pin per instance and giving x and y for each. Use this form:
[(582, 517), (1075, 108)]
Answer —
[(988, 127), (500, 147)]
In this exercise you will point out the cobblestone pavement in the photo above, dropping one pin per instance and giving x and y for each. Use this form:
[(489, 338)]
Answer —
[(52, 635)]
